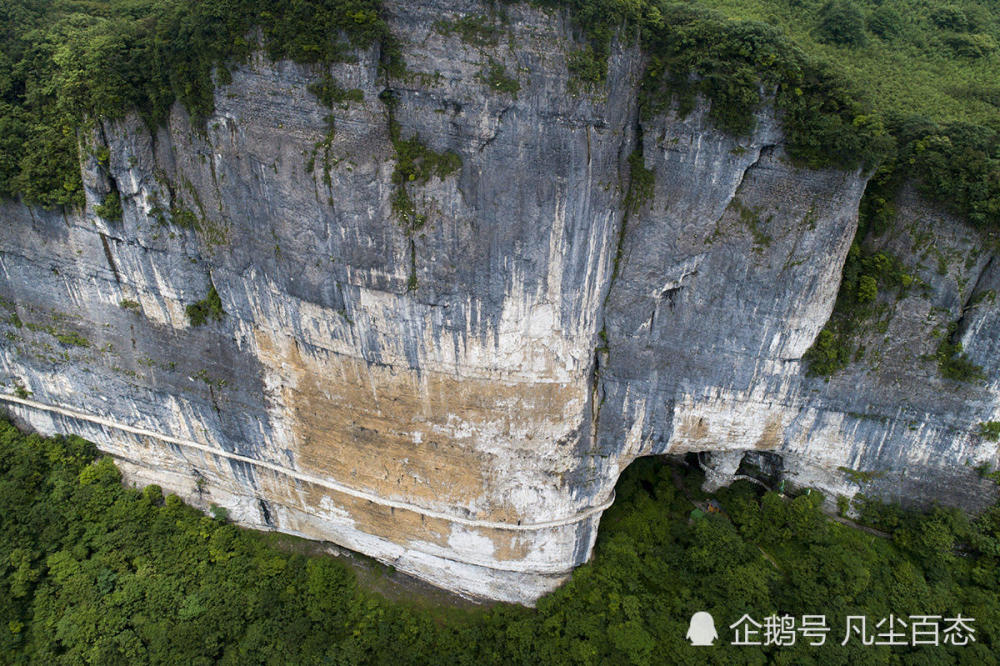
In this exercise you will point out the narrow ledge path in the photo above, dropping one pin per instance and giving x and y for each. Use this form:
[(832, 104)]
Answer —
[(308, 478)]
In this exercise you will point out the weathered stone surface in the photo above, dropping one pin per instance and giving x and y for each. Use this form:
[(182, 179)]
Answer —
[(460, 400)]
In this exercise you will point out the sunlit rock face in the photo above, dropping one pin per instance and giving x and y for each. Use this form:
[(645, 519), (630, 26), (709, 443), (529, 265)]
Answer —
[(725, 282), (459, 399)]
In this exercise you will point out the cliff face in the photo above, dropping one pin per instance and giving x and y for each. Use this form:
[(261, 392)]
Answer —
[(458, 399), (719, 296)]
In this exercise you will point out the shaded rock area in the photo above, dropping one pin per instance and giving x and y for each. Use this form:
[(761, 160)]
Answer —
[(458, 397)]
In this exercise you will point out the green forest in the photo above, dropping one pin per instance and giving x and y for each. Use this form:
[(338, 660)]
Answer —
[(95, 572), (65, 63), (906, 84)]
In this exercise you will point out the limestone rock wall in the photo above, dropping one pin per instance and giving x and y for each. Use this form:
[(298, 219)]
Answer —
[(714, 308), (459, 400)]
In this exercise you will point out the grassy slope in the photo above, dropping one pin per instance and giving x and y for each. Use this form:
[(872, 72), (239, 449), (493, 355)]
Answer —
[(914, 72)]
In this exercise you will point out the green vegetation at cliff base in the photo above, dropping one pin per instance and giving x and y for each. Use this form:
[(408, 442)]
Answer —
[(92, 572)]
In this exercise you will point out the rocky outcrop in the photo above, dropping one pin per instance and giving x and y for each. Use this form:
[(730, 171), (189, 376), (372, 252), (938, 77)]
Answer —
[(458, 397), (710, 317)]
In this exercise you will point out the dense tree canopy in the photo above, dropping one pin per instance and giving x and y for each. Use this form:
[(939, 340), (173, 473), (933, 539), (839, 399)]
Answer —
[(65, 62), (93, 572)]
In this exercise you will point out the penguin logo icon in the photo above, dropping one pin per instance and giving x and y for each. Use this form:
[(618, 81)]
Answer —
[(702, 629)]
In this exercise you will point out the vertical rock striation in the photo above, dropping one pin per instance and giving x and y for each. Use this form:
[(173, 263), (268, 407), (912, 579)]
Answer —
[(457, 397)]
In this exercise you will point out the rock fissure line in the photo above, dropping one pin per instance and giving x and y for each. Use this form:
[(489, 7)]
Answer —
[(970, 299), (597, 391), (524, 373), (308, 478)]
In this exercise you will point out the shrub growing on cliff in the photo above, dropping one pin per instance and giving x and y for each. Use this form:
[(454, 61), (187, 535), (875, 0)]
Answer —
[(587, 66), (208, 308), (953, 362), (416, 163), (641, 182), (989, 430), (495, 78), (865, 275), (867, 289), (111, 208), (476, 30), (329, 92), (827, 354)]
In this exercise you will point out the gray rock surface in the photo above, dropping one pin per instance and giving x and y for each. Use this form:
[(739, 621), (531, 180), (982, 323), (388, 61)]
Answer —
[(459, 400)]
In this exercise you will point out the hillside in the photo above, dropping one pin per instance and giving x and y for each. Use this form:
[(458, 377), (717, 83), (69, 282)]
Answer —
[(91, 572), (67, 63), (423, 279)]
